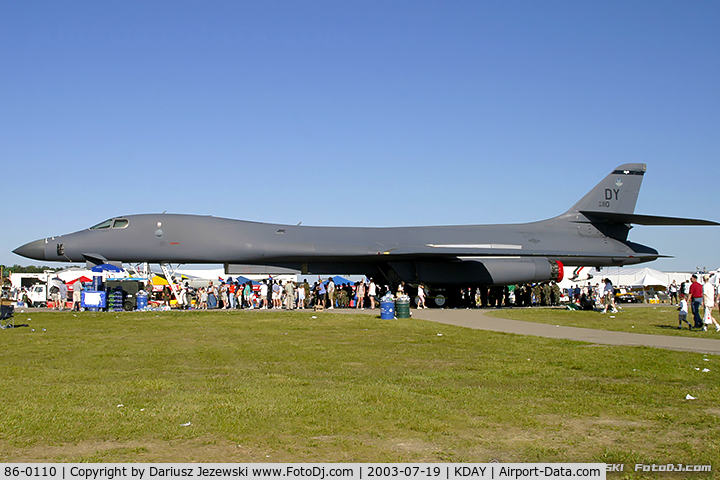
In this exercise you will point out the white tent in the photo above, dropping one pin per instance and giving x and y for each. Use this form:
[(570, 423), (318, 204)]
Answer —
[(651, 281), (628, 277), (634, 276)]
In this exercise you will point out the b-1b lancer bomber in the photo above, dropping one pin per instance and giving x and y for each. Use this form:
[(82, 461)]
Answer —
[(593, 232)]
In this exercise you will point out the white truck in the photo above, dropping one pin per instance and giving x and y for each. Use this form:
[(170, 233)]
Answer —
[(36, 285)]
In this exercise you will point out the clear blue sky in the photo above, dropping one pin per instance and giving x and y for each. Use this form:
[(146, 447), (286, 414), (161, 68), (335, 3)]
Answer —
[(357, 113)]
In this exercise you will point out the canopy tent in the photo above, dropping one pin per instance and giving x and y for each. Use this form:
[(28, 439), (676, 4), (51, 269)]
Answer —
[(240, 280), (219, 275), (338, 280), (106, 267), (637, 276), (629, 277), (83, 279), (158, 280), (650, 281)]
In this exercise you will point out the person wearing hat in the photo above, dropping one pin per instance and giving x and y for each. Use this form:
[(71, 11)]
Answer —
[(695, 299)]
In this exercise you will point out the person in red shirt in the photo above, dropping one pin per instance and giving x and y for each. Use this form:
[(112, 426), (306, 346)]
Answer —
[(695, 298)]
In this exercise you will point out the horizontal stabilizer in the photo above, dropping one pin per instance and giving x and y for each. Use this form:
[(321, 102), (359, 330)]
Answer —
[(611, 217)]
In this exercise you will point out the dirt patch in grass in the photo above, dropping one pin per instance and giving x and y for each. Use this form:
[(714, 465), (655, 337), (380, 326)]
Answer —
[(150, 451)]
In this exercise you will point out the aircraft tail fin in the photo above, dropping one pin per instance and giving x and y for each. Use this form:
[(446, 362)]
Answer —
[(616, 193), (610, 206)]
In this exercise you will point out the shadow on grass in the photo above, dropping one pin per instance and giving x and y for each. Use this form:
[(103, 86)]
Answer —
[(669, 327)]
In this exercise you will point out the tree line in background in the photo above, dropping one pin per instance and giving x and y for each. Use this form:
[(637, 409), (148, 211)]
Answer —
[(20, 269)]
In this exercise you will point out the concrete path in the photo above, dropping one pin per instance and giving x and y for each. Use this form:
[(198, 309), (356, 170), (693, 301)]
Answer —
[(478, 320)]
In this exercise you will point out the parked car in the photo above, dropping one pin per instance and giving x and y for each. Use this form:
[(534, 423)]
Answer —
[(623, 295)]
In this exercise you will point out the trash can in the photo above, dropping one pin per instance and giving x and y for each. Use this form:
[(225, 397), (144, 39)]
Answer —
[(142, 301), (402, 306), (387, 310)]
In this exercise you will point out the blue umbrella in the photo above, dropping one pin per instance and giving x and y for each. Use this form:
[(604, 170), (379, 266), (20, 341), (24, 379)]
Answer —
[(240, 279), (106, 267)]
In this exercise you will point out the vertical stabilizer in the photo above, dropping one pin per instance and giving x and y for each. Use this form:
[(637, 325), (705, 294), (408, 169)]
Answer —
[(616, 193)]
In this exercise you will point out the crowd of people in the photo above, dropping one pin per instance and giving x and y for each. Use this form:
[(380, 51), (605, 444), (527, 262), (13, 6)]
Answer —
[(600, 297), (696, 295), (278, 294), (546, 294), (275, 294), (270, 293), (689, 297)]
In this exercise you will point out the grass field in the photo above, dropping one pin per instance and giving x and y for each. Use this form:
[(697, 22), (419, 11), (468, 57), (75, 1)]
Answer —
[(660, 319), (286, 387)]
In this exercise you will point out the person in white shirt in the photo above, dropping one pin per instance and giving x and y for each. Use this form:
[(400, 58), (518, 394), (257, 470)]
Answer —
[(708, 304), (609, 297), (330, 293), (301, 296), (263, 294), (372, 293), (597, 293), (421, 296), (683, 313)]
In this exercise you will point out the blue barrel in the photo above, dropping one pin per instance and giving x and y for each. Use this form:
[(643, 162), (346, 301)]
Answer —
[(387, 310), (142, 301), (97, 283)]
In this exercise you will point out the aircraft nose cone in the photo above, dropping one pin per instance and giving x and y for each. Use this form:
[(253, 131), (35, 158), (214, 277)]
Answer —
[(34, 250)]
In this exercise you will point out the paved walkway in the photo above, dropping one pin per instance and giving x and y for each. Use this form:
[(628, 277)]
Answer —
[(478, 320)]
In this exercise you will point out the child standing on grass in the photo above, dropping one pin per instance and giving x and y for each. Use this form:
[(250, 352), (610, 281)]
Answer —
[(683, 313)]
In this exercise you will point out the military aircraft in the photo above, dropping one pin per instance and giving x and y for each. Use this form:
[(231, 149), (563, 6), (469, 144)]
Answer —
[(594, 232)]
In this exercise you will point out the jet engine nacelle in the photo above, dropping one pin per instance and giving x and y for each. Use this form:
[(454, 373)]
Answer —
[(523, 270), (486, 271)]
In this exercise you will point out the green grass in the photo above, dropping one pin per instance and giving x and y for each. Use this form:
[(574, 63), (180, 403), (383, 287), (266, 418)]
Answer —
[(660, 319), (284, 387)]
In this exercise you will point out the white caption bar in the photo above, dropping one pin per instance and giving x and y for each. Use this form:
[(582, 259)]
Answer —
[(300, 471)]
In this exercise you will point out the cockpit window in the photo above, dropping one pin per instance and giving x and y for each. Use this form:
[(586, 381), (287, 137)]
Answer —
[(120, 223), (103, 225)]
